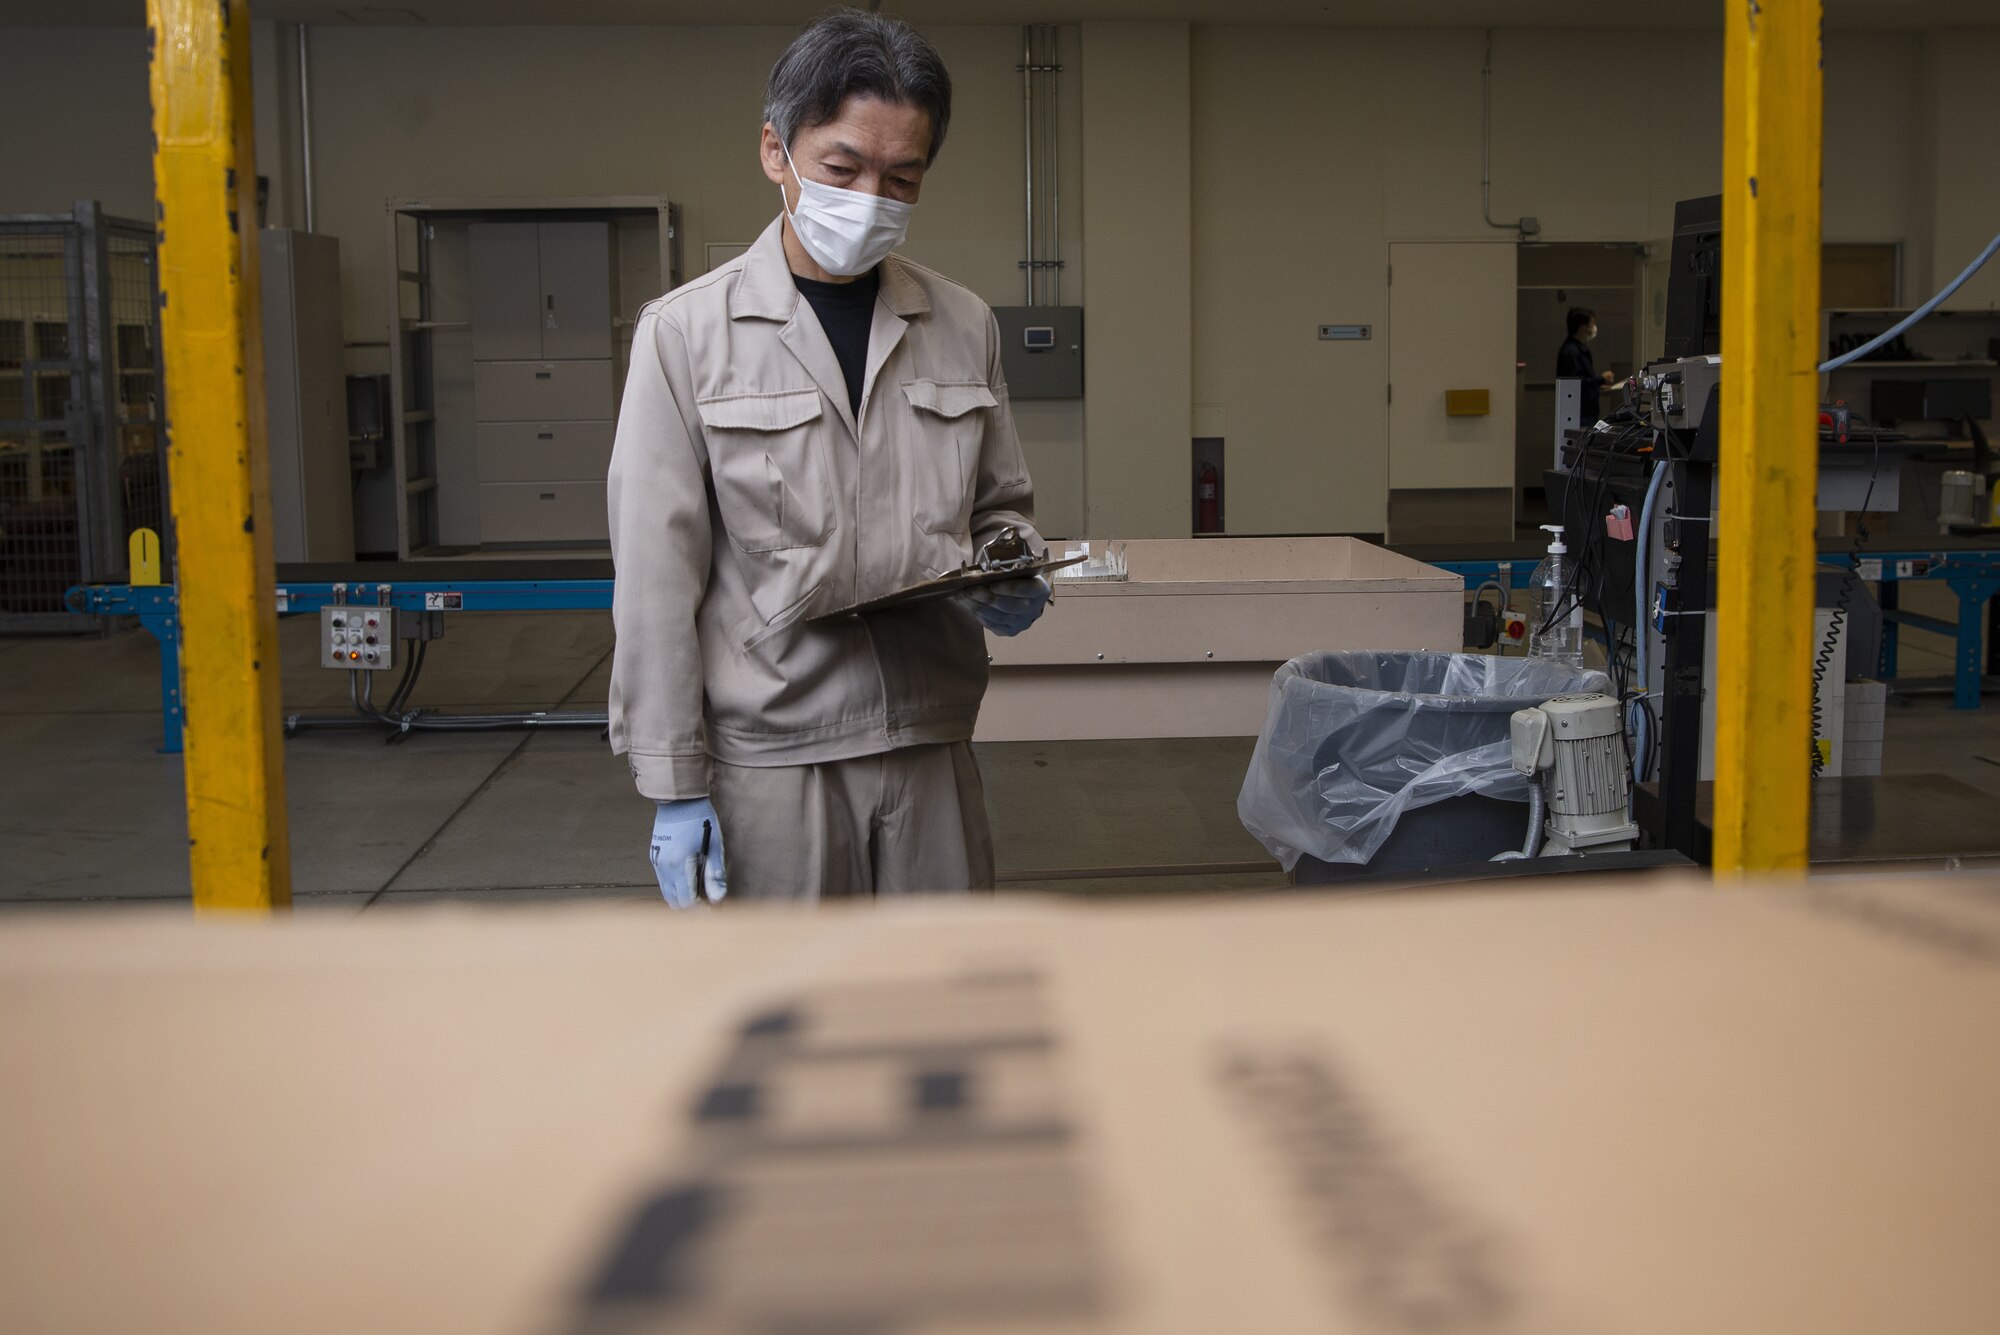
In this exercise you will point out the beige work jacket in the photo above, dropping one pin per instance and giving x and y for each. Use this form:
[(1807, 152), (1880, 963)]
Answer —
[(746, 498)]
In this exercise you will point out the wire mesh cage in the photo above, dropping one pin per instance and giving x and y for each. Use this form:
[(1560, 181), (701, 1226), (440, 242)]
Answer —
[(81, 439), (135, 348)]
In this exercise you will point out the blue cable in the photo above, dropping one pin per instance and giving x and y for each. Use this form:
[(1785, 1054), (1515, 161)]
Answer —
[(1642, 601), (1915, 315)]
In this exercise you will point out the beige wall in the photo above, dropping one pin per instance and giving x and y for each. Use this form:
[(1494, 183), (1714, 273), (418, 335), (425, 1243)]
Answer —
[(1137, 293), (415, 113), (1875, 189), (1962, 168), (491, 112), (1316, 148), (79, 123), (1237, 187)]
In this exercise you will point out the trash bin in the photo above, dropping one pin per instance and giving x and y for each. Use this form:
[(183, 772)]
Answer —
[(1374, 762)]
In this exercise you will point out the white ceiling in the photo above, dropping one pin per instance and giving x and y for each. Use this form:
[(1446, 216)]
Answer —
[(1851, 14)]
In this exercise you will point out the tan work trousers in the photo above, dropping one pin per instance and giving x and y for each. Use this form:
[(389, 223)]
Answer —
[(908, 821)]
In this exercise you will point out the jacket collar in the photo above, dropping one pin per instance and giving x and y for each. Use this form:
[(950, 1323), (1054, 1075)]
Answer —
[(766, 290)]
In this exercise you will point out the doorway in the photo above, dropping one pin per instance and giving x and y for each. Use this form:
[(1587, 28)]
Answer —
[(1451, 428), (1554, 277)]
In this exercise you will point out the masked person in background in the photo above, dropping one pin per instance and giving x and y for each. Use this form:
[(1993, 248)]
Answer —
[(1575, 362), (815, 424)]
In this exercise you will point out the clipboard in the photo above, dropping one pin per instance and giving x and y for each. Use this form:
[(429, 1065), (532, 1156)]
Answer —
[(944, 586)]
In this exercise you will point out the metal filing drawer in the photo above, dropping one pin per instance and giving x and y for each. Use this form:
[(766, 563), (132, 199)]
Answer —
[(542, 391), (543, 512), (544, 451)]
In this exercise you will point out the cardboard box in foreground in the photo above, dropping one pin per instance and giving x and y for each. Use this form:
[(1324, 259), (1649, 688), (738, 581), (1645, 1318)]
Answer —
[(1615, 1110)]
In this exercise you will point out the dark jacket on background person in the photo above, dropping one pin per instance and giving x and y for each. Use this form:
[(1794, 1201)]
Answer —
[(1574, 362)]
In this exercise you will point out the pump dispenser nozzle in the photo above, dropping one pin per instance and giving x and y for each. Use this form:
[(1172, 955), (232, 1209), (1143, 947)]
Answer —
[(1555, 542)]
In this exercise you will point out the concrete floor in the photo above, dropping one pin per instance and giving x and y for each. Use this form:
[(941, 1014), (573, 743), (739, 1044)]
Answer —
[(90, 813)]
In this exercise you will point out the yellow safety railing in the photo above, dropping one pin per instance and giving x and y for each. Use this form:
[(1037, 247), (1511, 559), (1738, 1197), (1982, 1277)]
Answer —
[(1770, 437), (205, 180)]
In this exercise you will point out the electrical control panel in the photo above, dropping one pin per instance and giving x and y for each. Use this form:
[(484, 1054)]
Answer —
[(1041, 351), (357, 638)]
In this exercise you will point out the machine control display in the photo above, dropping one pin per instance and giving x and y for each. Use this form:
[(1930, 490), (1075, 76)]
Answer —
[(1039, 337)]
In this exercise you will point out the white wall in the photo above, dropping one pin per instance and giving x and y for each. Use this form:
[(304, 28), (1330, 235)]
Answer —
[(1261, 201)]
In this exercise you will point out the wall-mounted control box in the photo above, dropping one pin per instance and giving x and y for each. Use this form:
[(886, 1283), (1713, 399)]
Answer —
[(1041, 351), (357, 638)]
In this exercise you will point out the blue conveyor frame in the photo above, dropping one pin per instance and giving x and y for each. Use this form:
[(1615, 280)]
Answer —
[(1974, 576)]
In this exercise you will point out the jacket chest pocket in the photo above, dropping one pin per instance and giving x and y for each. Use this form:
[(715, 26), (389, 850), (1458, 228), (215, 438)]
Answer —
[(949, 435), (768, 459)]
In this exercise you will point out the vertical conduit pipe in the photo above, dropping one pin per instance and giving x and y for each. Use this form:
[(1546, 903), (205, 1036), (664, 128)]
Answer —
[(1486, 143), (306, 125), (1055, 163), (1028, 154)]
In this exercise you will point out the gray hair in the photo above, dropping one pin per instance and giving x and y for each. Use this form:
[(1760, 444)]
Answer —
[(846, 52)]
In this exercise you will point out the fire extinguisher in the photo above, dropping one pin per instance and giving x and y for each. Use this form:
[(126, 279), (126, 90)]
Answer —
[(1208, 494)]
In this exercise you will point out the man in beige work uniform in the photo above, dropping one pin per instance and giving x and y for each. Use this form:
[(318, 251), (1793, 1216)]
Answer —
[(815, 424)]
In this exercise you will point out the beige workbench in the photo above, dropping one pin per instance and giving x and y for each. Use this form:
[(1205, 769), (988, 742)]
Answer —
[(1186, 645)]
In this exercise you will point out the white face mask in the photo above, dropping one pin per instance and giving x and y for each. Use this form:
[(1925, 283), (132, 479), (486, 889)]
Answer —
[(845, 232)]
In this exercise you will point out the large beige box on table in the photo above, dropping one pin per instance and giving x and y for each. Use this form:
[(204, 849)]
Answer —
[(1640, 1109), (1187, 644)]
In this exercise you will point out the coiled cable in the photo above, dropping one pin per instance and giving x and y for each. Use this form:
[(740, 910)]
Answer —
[(1823, 660)]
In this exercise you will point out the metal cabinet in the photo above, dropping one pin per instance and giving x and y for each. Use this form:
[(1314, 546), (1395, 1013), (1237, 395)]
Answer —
[(545, 511), (541, 289), (559, 391), (312, 504), (506, 290), (544, 451), (544, 387)]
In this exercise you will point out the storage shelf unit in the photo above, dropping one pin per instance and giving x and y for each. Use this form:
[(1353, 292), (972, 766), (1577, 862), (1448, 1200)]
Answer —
[(1922, 397), (514, 321), (1956, 344), (543, 384)]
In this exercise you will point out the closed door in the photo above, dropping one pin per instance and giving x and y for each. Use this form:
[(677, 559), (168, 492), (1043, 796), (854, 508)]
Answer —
[(1451, 327), (506, 291), (575, 262)]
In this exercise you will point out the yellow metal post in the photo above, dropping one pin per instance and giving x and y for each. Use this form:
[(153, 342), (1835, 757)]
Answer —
[(205, 178), (1770, 437)]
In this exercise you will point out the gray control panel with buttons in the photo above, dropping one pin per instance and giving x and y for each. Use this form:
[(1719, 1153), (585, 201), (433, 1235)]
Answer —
[(357, 638)]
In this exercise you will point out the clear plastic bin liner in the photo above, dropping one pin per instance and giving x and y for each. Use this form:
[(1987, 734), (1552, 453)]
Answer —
[(1353, 740)]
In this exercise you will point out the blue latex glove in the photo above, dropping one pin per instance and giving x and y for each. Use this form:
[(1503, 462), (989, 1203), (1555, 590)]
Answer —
[(1010, 606), (687, 853)]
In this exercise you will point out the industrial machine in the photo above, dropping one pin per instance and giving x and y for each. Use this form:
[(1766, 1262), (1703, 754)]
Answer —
[(1573, 749), (1968, 500)]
